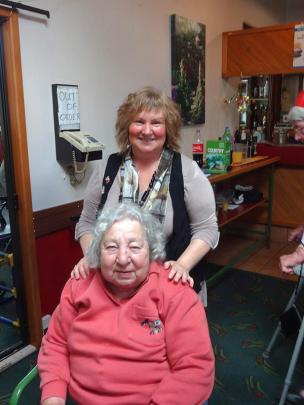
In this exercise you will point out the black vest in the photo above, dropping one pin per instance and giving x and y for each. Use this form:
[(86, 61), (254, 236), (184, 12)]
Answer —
[(181, 235)]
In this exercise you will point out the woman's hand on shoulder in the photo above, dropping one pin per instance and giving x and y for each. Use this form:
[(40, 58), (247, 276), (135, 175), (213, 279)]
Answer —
[(296, 234), (53, 401), (178, 272), (81, 269)]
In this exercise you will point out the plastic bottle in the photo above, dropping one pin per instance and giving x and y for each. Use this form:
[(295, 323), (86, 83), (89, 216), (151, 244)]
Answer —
[(227, 135), (228, 138), (198, 148)]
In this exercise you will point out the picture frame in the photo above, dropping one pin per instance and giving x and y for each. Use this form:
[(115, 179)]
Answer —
[(188, 48)]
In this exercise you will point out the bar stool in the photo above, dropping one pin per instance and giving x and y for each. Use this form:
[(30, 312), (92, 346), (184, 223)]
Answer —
[(299, 271)]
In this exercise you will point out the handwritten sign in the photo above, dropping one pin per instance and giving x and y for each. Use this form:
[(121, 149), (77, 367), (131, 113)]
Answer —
[(68, 108)]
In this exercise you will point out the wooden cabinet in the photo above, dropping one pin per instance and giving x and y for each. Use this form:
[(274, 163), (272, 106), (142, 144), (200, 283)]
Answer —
[(259, 51)]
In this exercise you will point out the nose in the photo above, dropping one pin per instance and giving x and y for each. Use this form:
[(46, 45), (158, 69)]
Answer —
[(122, 256), (147, 128)]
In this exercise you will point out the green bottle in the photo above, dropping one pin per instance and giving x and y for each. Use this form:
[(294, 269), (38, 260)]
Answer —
[(228, 138)]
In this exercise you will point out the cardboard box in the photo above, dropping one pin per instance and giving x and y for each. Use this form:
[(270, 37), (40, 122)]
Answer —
[(217, 156)]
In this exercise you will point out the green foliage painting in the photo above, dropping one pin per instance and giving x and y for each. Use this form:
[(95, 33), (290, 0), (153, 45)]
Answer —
[(188, 68)]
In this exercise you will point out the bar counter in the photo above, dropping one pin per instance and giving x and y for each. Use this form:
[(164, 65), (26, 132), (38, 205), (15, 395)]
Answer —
[(290, 154)]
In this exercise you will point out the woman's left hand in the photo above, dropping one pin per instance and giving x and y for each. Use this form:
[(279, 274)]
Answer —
[(178, 272)]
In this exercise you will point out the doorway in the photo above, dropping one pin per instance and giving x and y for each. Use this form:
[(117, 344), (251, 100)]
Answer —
[(22, 272), (12, 314)]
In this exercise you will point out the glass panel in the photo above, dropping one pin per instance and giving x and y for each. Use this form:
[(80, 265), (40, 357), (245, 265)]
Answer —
[(253, 118), (288, 91), (12, 319)]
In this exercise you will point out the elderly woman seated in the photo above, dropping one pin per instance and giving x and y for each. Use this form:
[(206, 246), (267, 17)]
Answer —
[(126, 334)]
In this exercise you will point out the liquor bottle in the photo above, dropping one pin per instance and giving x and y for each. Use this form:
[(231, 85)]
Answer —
[(198, 149), (266, 88), (249, 143), (254, 117), (243, 136), (250, 147), (255, 92), (237, 136), (264, 117), (261, 86), (261, 90)]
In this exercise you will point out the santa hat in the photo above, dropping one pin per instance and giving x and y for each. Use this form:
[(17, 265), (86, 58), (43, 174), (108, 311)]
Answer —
[(297, 111)]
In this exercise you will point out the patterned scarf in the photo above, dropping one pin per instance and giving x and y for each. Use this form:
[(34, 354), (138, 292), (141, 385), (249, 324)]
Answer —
[(154, 199)]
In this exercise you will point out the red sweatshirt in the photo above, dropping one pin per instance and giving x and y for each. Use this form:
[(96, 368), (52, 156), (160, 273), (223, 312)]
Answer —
[(153, 348)]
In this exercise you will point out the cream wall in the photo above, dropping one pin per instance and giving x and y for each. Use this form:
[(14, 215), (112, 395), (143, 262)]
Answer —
[(109, 48)]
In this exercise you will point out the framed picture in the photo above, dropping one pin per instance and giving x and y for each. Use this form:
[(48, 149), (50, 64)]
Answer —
[(188, 44)]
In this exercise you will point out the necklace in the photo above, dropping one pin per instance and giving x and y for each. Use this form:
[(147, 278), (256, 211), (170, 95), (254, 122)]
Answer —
[(147, 192)]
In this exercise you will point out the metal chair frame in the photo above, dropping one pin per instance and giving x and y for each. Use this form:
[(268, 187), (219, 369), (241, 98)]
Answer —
[(297, 346)]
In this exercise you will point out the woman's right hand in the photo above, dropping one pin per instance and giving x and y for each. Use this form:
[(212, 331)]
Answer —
[(81, 269)]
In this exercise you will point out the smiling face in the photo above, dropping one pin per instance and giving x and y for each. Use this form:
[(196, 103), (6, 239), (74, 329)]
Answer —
[(124, 259), (299, 131), (147, 133)]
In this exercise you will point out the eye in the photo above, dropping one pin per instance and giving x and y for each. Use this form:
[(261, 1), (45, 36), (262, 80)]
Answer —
[(135, 247), (138, 121), (157, 123), (111, 248)]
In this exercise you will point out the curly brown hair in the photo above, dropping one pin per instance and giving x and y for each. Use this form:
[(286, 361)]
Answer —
[(148, 99)]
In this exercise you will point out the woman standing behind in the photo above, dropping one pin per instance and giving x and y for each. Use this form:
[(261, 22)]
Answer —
[(149, 171)]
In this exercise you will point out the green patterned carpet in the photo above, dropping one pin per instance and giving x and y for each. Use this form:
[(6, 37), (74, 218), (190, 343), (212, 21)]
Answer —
[(243, 311)]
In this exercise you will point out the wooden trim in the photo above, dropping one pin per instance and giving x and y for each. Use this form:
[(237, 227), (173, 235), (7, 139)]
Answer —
[(12, 60), (269, 28), (56, 218)]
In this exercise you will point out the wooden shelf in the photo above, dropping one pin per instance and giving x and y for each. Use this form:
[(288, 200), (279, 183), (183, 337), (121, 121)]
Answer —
[(225, 217), (239, 170)]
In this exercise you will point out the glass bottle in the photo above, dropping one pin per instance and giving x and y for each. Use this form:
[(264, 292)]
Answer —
[(198, 148)]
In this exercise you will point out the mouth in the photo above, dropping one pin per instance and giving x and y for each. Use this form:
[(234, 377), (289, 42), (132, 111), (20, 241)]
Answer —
[(124, 274), (146, 140)]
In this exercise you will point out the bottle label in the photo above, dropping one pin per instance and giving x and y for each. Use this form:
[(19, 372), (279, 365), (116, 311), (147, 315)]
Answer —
[(197, 148)]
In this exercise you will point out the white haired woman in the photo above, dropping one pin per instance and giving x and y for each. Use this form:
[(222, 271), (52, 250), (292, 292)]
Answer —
[(125, 334)]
